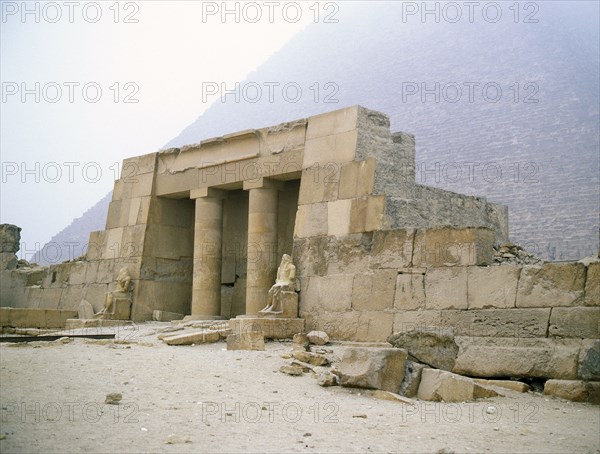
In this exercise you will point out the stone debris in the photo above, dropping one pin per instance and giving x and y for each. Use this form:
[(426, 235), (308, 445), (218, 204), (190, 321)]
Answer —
[(304, 366), (514, 254), (435, 348), (442, 386), (412, 378), (387, 395), (291, 370), (311, 358), (195, 337), (513, 385), (113, 398), (252, 340), (327, 378), (318, 337), (374, 368)]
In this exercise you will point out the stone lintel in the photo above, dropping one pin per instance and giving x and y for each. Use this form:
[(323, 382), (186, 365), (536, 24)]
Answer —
[(208, 192), (266, 183)]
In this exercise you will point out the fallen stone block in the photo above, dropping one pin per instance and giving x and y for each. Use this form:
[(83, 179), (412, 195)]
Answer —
[(435, 348), (589, 360), (412, 378), (311, 358), (374, 368), (487, 357), (318, 337), (252, 340), (165, 316), (442, 386), (574, 390), (513, 385), (196, 337)]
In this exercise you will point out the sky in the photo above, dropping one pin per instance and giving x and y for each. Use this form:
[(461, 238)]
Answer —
[(87, 84)]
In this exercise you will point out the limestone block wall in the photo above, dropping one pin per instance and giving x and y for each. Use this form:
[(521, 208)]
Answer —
[(368, 286)]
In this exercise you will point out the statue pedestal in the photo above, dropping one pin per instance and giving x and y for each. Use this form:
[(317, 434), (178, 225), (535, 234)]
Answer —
[(270, 327), (288, 307)]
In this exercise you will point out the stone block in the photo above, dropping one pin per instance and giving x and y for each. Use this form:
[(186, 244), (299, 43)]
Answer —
[(490, 357), (71, 296), (436, 348), (346, 255), (270, 327), (253, 340), (442, 386), (159, 295), (165, 316), (589, 360), (357, 179), (315, 337), (375, 291), (338, 217), (446, 288), (58, 318), (392, 248), (410, 292), (498, 322), (311, 220), (582, 322), (121, 307), (492, 287), (592, 285), (319, 183), (574, 390), (8, 261), (449, 246), (363, 326), (334, 148), (329, 293), (49, 298), (196, 337), (329, 123), (95, 294), (417, 320), (551, 284), (85, 310), (372, 368), (513, 385)]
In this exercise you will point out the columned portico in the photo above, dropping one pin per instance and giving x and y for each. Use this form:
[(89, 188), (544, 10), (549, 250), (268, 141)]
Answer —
[(208, 234), (262, 241)]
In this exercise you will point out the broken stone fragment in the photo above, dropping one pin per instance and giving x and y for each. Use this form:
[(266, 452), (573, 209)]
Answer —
[(196, 337), (318, 337), (435, 348), (311, 358), (291, 370), (442, 386), (113, 398), (374, 368), (506, 384), (412, 378), (574, 390)]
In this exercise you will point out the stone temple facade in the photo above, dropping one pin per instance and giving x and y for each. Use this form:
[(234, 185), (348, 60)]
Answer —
[(201, 230)]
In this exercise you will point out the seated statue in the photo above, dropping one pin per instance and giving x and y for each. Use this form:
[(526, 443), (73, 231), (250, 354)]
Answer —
[(120, 292), (285, 282)]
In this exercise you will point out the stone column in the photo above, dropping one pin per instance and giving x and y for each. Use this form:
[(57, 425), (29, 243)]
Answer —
[(208, 234), (262, 241)]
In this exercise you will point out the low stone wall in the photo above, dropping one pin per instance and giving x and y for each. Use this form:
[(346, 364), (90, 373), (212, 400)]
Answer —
[(34, 318), (366, 287)]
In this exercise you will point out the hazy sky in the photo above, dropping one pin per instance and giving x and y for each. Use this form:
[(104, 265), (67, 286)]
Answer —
[(86, 84)]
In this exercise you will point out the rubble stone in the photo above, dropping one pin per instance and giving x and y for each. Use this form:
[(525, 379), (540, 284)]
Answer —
[(442, 386), (433, 347), (318, 337), (374, 368)]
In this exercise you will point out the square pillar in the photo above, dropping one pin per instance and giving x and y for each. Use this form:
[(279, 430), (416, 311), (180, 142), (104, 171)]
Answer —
[(208, 234), (262, 241)]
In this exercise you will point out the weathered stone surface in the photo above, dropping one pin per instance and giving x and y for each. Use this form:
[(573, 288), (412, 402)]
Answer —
[(291, 370), (550, 285), (364, 326), (450, 246), (492, 287), (393, 397), (381, 368), (442, 386), (252, 340), (434, 348), (35, 318), (575, 390), (582, 322), (589, 360), (410, 292), (506, 384), (412, 378), (113, 398), (310, 358), (512, 357), (592, 285), (166, 316), (392, 248), (531, 322), (374, 291), (85, 310), (327, 378), (271, 328), (317, 337), (196, 337), (446, 288), (300, 338), (10, 237), (8, 261), (417, 320)]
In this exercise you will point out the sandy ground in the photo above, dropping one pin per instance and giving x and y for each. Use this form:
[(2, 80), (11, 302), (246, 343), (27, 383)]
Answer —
[(206, 399)]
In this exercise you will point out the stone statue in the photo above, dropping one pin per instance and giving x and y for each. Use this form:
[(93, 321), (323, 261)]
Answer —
[(121, 293), (285, 282)]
